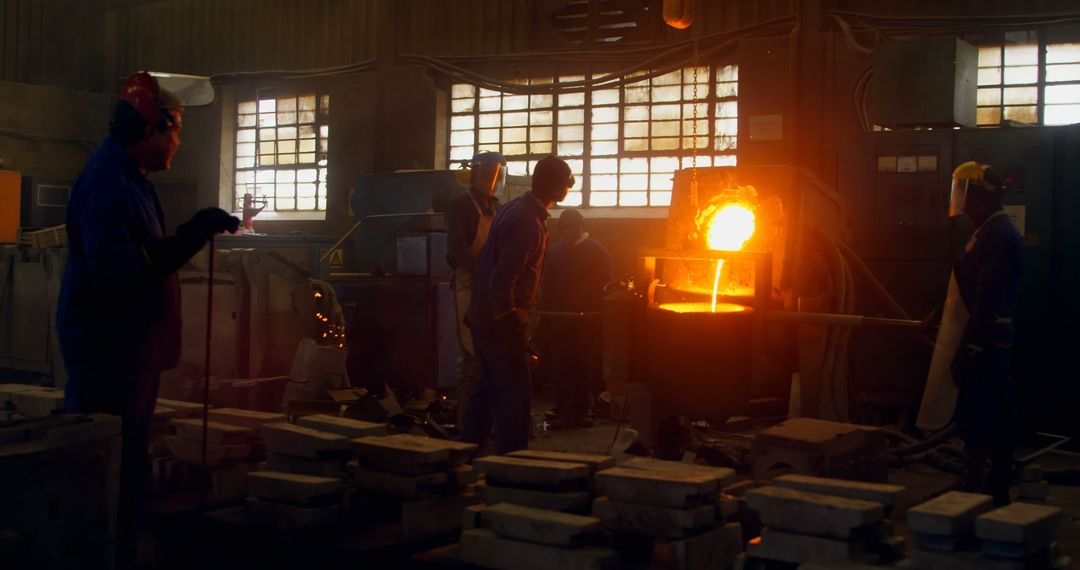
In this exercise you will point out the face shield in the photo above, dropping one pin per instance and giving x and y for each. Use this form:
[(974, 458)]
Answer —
[(958, 196), (488, 177)]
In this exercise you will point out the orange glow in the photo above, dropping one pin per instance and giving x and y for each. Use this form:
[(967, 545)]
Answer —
[(728, 226), (704, 307)]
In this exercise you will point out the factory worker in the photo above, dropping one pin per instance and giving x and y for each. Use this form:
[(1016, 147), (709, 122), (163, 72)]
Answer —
[(507, 277), (575, 272), (969, 379), (468, 221), (119, 308)]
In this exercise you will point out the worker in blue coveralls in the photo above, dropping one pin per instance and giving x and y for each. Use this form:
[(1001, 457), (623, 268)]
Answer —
[(987, 278), (576, 271), (119, 308), (507, 278)]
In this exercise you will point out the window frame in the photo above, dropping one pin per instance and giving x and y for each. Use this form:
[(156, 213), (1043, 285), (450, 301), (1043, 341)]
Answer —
[(707, 153), (321, 164), (1040, 43)]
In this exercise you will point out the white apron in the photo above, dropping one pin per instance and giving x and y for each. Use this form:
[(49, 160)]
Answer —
[(939, 397), (463, 278)]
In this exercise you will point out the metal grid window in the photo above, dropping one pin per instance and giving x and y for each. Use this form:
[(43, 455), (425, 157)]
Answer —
[(622, 143), (281, 149), (1032, 83)]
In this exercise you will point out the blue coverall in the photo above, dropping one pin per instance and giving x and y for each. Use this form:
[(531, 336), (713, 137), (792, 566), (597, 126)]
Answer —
[(507, 277), (988, 277), (118, 317)]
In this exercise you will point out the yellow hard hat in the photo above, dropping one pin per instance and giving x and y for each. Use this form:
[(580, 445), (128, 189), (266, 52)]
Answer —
[(970, 170)]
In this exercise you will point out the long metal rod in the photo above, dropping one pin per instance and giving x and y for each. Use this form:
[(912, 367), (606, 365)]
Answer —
[(350, 231), (206, 376), (835, 319)]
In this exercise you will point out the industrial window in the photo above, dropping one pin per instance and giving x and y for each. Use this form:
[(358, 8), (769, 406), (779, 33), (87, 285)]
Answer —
[(623, 143), (281, 146), (1032, 83)]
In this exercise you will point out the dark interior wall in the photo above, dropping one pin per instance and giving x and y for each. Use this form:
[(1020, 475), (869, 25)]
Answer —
[(49, 131)]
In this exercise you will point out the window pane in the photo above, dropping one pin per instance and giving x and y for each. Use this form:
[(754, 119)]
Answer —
[(245, 149), (699, 74), (699, 110), (1063, 53), (246, 108), (1064, 72), (512, 102), (1021, 55), (571, 99), (1021, 95), (725, 160), (633, 182), (490, 103), (540, 117), (672, 93), (462, 122), (488, 120), (696, 161), (306, 175), (605, 97), (989, 56), (991, 96), (1061, 114), (515, 135), (306, 103), (515, 119), (306, 117), (727, 109), (727, 90), (690, 94), (463, 105), (540, 134), (672, 78), (489, 136), (604, 166), (603, 148), (634, 199), (605, 132), (660, 182), (306, 145), (1023, 114), (460, 90), (662, 198), (267, 106), (290, 146), (637, 95), (1058, 94), (727, 126), (286, 133), (634, 165), (540, 101), (305, 190), (267, 119), (540, 147), (570, 148), (245, 162), (664, 144), (727, 73), (246, 121), (603, 182), (461, 138), (572, 133), (636, 113), (635, 130), (461, 152), (572, 117), (695, 128), (989, 76), (605, 114), (1021, 75), (603, 198), (665, 128), (665, 112), (636, 144), (725, 143)]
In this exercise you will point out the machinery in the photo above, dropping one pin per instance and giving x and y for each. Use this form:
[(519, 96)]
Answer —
[(750, 291)]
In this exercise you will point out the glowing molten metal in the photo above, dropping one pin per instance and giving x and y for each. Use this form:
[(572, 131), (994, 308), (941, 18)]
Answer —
[(727, 230)]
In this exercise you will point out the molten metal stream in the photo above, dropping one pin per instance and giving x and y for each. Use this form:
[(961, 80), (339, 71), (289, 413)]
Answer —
[(729, 228)]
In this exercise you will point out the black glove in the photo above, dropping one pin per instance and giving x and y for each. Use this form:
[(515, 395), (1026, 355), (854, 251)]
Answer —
[(209, 222), (169, 254)]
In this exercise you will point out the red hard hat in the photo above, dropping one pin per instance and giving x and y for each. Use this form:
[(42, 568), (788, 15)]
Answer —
[(142, 92)]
